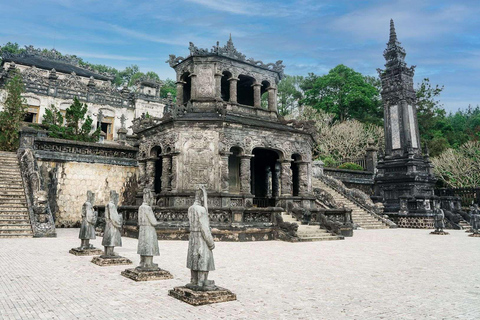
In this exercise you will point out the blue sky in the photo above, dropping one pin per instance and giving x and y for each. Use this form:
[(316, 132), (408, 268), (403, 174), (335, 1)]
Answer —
[(441, 37)]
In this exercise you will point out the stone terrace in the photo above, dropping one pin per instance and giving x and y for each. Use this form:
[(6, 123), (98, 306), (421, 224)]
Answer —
[(377, 274)]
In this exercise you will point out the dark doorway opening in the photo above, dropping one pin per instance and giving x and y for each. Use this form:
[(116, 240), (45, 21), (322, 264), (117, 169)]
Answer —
[(158, 171), (265, 171)]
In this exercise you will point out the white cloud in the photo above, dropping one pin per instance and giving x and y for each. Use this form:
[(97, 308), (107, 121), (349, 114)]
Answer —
[(108, 56)]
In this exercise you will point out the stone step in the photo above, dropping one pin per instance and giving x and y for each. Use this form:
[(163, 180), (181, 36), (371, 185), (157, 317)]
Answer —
[(14, 217), (324, 238), (4, 222), (15, 226), (15, 231), (10, 200), (17, 235), (13, 211), (6, 205)]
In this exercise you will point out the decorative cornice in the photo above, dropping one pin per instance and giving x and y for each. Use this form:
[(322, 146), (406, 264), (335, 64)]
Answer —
[(228, 51)]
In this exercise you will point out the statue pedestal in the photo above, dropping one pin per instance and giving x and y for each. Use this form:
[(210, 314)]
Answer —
[(110, 261), (140, 274), (474, 235), (86, 252), (198, 298), (440, 233)]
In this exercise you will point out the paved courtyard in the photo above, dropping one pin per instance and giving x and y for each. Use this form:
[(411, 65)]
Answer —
[(377, 274)]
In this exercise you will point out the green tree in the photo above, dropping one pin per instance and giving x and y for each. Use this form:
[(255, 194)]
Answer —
[(345, 93), (77, 126), (12, 114), (289, 94), (169, 86)]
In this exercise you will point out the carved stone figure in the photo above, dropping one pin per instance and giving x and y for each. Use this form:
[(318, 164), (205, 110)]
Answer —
[(475, 221), (147, 236), (200, 244), (147, 244), (87, 228), (439, 217), (111, 236), (89, 218), (113, 222)]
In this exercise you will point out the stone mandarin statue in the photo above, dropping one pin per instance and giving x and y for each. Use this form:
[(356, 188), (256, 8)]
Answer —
[(89, 219), (113, 222), (439, 217), (147, 235), (200, 256), (475, 221)]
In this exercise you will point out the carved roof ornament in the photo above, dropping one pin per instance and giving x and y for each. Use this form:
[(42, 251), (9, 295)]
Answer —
[(394, 53), (228, 51)]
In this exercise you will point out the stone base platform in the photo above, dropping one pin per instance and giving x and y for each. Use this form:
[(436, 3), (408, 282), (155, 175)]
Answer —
[(441, 233), (138, 274), (85, 252), (111, 261), (474, 235), (198, 298)]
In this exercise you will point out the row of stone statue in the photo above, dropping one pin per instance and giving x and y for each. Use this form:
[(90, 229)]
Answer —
[(439, 220), (200, 260)]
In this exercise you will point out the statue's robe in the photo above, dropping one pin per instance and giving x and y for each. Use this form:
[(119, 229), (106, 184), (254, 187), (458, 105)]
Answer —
[(89, 218), (438, 220), (147, 235), (475, 221), (113, 223), (200, 257)]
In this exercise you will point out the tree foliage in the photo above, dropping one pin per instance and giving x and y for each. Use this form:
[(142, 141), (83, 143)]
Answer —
[(12, 114), (459, 167), (77, 126), (346, 94), (289, 95)]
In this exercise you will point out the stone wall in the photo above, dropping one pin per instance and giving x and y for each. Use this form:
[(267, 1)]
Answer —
[(68, 183), (362, 180)]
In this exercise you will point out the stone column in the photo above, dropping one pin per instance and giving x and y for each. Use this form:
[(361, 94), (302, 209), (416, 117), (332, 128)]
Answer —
[(233, 89), (141, 174), (173, 174), (166, 170), (276, 180), (302, 178), (272, 99), (180, 85), (245, 174), (257, 95), (193, 88), (224, 179), (286, 177), (150, 174), (371, 158), (218, 86)]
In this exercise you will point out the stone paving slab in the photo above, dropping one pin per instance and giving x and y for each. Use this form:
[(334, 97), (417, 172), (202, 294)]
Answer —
[(377, 274)]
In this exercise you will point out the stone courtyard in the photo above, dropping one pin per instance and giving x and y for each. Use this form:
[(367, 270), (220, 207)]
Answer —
[(378, 274)]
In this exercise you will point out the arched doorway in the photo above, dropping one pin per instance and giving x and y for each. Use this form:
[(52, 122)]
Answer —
[(225, 86), (245, 90), (187, 87), (265, 171)]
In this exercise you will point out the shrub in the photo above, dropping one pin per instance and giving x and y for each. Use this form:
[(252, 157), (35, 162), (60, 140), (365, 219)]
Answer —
[(350, 166)]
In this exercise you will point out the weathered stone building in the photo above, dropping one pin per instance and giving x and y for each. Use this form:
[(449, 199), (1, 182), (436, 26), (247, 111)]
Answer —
[(54, 79), (404, 180)]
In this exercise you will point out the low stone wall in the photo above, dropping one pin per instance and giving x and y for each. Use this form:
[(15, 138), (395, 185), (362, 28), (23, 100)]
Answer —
[(68, 169), (362, 180)]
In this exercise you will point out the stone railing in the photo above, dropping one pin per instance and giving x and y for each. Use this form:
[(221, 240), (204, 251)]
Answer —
[(358, 197), (362, 180), (338, 221)]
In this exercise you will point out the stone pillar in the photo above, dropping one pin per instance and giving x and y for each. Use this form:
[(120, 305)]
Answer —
[(193, 88), (233, 89), (286, 177), (224, 179), (166, 170), (150, 174), (141, 174), (272, 99), (302, 178), (371, 158), (245, 174), (276, 180), (173, 174), (257, 95), (180, 85), (218, 86)]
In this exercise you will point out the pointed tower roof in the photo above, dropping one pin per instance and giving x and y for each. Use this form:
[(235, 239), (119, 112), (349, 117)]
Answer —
[(394, 53)]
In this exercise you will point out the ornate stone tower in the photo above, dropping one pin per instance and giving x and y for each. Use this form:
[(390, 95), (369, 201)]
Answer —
[(404, 181)]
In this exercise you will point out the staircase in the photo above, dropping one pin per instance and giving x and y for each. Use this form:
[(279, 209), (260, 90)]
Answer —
[(360, 216), (310, 233), (14, 218), (464, 225)]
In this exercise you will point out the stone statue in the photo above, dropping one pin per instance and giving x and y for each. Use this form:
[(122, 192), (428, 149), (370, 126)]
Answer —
[(87, 228), (89, 218), (439, 220), (200, 245), (113, 223), (147, 235), (475, 221), (147, 244)]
